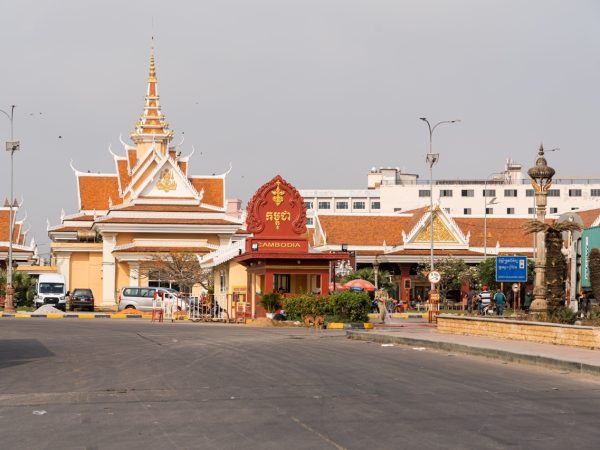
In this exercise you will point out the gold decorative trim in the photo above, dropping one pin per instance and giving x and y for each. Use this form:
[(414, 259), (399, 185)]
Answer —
[(166, 182)]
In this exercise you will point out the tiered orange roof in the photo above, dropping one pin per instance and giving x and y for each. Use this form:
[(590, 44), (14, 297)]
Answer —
[(365, 230)]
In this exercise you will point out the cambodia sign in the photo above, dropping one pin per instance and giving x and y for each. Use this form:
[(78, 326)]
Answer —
[(511, 269), (277, 218), (590, 238)]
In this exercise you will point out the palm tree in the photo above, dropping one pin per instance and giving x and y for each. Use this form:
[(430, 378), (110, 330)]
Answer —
[(556, 264)]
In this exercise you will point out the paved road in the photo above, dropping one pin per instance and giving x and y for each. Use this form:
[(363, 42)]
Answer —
[(136, 385)]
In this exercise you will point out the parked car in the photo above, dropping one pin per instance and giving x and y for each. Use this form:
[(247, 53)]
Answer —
[(141, 298), (82, 299)]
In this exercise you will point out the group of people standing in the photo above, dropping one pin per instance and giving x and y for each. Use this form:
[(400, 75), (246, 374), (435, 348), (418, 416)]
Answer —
[(484, 298)]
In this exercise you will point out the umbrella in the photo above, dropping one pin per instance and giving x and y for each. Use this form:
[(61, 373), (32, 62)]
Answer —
[(359, 285)]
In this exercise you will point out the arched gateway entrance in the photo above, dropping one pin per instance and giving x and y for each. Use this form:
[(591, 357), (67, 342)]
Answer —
[(277, 257)]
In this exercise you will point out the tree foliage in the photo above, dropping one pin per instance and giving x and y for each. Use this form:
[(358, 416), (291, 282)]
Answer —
[(181, 268), (23, 284), (454, 272)]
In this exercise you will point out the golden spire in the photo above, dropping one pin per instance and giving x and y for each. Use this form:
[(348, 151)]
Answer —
[(152, 124), (152, 74)]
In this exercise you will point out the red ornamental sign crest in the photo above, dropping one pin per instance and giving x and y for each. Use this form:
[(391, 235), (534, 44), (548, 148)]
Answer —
[(277, 211)]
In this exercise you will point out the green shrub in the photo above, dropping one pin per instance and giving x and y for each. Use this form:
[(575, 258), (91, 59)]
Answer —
[(347, 306), (562, 314), (302, 305), (350, 306), (271, 302)]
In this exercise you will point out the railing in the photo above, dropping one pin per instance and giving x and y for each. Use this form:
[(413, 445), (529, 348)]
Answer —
[(219, 308)]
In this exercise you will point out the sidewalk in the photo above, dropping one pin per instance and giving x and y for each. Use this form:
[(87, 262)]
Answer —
[(546, 355)]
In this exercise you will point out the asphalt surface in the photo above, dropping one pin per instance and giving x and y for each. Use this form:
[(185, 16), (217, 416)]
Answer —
[(137, 385)]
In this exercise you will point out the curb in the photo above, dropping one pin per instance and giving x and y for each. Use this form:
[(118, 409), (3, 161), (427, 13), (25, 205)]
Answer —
[(403, 316), (349, 326), (70, 316), (503, 355)]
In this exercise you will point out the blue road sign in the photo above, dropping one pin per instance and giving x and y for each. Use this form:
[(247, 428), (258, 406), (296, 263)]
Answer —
[(512, 269)]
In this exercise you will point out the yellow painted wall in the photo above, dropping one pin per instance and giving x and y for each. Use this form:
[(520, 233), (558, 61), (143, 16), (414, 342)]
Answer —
[(85, 271), (122, 276), (238, 277), (299, 284)]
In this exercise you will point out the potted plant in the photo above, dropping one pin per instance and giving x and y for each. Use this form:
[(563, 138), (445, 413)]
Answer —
[(272, 303)]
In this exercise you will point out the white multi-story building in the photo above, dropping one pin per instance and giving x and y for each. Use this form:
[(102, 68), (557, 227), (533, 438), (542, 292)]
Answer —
[(506, 193)]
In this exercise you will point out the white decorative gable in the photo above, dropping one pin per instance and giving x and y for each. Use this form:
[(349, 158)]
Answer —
[(167, 181), (445, 232)]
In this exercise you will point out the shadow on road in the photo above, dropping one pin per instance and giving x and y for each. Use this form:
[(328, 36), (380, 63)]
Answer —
[(14, 352)]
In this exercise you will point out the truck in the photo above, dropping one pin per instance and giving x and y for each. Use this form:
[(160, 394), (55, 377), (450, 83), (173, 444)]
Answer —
[(51, 290)]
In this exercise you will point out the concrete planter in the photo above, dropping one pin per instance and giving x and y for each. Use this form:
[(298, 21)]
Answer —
[(546, 333)]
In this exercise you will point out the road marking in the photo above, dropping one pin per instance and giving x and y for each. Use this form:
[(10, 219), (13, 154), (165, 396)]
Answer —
[(86, 316), (325, 438), (55, 316)]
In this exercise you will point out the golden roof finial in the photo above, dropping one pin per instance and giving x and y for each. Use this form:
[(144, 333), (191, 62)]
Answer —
[(152, 74)]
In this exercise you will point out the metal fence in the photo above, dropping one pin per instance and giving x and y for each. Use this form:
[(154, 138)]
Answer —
[(219, 308)]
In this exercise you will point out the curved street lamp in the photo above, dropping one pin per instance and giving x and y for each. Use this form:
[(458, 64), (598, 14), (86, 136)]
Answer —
[(431, 159), (11, 146)]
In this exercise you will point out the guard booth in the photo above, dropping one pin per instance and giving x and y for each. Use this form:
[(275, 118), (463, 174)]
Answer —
[(278, 257)]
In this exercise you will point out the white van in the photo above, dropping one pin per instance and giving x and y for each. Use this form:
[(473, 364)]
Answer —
[(141, 298), (51, 290)]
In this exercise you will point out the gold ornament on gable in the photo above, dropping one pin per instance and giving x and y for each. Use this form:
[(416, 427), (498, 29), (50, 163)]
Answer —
[(278, 194), (441, 233), (166, 182)]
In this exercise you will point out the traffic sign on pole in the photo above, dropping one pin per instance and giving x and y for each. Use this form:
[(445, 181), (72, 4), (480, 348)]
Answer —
[(511, 269), (434, 277)]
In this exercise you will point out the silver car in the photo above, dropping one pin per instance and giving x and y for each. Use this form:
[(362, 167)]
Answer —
[(142, 298)]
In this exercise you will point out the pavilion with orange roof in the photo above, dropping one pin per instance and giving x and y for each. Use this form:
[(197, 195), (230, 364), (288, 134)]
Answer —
[(149, 205)]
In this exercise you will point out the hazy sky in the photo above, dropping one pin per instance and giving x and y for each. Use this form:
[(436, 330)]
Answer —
[(318, 91)]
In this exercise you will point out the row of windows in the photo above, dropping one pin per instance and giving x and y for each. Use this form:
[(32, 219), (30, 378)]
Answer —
[(468, 211), (343, 205), (507, 193)]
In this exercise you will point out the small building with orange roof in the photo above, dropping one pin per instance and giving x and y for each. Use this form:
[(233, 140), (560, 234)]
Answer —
[(24, 248), (398, 243)]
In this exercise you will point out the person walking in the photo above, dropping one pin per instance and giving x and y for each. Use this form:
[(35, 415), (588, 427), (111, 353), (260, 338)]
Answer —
[(485, 298), (470, 298), (499, 300), (527, 302)]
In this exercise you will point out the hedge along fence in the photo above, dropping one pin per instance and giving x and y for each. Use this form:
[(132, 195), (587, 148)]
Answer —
[(346, 306)]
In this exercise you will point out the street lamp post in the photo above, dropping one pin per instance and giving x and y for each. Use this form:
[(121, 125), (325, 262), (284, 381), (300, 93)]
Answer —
[(485, 205), (431, 159), (541, 179), (11, 146)]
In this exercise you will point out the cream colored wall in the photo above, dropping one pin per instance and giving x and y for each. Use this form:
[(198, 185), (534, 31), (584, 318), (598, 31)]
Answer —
[(126, 238), (85, 271)]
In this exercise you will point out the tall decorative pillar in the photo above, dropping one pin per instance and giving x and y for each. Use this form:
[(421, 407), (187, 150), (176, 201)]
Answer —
[(109, 242), (541, 179)]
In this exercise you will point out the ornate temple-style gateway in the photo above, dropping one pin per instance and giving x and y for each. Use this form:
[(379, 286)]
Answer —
[(149, 205)]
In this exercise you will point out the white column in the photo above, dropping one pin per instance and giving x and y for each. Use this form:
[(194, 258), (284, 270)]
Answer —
[(63, 264), (108, 270), (134, 273)]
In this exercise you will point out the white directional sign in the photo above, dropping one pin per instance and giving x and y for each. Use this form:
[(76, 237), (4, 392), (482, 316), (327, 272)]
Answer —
[(434, 277)]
